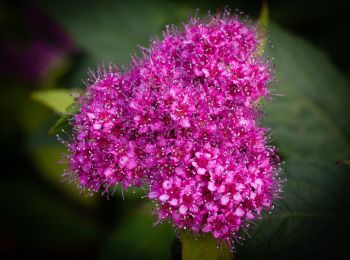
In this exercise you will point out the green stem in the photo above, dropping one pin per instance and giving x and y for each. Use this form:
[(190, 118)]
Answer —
[(203, 247)]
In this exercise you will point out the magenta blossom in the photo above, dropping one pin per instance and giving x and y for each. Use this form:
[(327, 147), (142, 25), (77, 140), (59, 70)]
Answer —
[(184, 121)]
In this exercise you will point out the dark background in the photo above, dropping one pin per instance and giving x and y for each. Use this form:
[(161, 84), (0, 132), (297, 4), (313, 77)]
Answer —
[(43, 217)]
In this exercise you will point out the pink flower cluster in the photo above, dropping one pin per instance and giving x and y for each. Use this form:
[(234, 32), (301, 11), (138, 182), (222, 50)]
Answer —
[(184, 121)]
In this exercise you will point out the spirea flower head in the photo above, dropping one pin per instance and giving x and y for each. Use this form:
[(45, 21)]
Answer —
[(184, 121)]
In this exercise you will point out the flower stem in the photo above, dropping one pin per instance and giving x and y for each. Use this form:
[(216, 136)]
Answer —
[(203, 247)]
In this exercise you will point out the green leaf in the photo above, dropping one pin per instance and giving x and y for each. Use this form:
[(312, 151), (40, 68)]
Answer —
[(56, 99), (136, 238), (311, 128), (203, 247), (62, 122), (118, 26)]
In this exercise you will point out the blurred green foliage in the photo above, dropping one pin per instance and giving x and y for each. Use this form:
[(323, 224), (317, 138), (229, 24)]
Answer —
[(45, 217)]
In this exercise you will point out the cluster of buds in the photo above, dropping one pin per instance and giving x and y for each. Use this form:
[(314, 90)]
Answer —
[(184, 122)]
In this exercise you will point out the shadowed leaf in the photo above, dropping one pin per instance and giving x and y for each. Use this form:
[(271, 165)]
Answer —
[(311, 129)]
